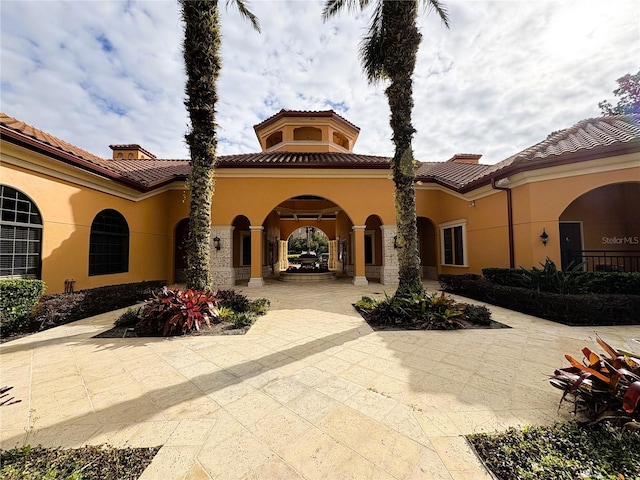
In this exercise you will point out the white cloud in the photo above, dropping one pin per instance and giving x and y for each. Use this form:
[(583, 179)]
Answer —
[(506, 73)]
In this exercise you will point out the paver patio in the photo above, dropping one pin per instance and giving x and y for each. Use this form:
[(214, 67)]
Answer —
[(310, 392)]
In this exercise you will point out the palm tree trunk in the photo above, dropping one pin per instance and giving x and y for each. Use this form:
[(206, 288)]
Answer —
[(202, 62), (403, 40)]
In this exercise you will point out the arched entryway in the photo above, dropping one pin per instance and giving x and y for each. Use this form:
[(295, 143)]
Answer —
[(427, 248), (601, 229)]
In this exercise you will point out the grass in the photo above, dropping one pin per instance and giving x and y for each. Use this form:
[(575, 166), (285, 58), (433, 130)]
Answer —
[(561, 451), (87, 463)]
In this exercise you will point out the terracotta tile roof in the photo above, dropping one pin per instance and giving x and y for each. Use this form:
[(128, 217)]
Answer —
[(304, 113), (27, 130), (296, 159), (598, 136), (151, 172), (594, 135), (452, 174)]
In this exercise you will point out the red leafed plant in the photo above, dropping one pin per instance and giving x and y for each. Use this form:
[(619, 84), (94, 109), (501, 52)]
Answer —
[(605, 387), (176, 312)]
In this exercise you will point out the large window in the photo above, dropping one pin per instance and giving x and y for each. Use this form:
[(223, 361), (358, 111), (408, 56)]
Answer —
[(453, 241), (109, 244), (20, 235)]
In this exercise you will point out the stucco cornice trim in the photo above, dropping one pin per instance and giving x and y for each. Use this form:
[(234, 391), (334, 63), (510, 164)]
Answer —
[(87, 179)]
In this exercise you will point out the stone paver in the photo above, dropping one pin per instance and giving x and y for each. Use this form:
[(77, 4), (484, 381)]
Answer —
[(310, 392)]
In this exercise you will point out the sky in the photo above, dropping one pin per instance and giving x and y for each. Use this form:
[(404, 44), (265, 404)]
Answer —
[(503, 76)]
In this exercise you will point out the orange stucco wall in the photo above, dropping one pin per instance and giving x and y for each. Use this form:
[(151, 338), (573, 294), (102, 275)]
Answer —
[(256, 197), (68, 211)]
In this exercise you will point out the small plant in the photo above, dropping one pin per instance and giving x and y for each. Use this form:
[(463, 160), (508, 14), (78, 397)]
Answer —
[(259, 306), (233, 300), (129, 318), (243, 319), (477, 314), (604, 387), (366, 303), (224, 314), (176, 312)]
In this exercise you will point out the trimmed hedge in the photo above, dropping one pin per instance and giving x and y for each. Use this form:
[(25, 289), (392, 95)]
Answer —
[(61, 308), (591, 309), (17, 300), (627, 283)]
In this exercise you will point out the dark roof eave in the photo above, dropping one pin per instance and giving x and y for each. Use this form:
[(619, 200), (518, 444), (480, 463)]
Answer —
[(375, 166), (595, 153), (52, 152)]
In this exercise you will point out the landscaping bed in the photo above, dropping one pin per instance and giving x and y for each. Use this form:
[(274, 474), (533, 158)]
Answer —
[(561, 451), (423, 311), (87, 463), (589, 309)]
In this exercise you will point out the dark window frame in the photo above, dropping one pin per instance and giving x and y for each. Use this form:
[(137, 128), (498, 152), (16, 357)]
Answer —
[(109, 244), (21, 230)]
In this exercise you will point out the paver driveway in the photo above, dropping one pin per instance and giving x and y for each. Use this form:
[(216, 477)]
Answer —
[(310, 392)]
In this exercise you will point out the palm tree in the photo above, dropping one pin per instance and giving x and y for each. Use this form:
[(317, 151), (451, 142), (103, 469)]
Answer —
[(202, 62), (388, 52)]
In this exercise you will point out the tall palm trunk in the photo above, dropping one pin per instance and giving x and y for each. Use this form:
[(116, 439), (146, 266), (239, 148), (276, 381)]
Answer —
[(403, 41), (202, 62)]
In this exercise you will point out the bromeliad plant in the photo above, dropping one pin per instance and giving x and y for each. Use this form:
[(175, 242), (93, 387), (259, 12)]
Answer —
[(417, 311), (605, 387), (177, 312)]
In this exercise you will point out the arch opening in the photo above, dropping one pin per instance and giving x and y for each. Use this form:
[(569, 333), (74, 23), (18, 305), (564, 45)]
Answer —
[(601, 229)]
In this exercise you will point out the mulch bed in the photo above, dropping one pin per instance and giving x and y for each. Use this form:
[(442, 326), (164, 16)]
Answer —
[(87, 463)]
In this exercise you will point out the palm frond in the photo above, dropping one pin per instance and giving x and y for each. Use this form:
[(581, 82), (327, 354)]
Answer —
[(333, 7), (246, 13), (442, 10), (372, 49)]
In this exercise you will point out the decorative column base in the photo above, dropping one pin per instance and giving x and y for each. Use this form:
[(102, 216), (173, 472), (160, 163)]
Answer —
[(360, 281), (256, 282)]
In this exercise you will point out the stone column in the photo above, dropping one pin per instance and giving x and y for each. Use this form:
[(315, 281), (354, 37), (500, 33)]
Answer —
[(359, 276), (256, 256), (223, 273), (333, 255), (284, 261), (389, 269)]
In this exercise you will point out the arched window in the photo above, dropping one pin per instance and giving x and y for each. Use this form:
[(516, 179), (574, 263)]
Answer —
[(109, 244), (20, 235)]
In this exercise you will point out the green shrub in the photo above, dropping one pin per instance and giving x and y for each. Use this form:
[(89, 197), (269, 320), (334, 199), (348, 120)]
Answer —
[(259, 306), (593, 309), (17, 301), (477, 314), (61, 308), (624, 283), (177, 312), (235, 301), (243, 319)]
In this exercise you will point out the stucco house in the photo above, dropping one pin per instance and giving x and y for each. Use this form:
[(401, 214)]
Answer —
[(68, 214)]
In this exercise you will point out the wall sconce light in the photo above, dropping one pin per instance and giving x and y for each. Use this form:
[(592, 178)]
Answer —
[(544, 237), (395, 242), (216, 243)]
